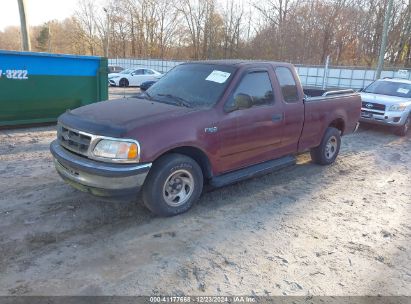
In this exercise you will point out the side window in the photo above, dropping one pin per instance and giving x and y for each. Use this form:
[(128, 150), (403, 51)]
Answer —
[(148, 72), (287, 84), (139, 72), (258, 86)]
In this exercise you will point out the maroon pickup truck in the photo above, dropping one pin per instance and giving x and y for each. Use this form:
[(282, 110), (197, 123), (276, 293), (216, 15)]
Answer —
[(212, 122)]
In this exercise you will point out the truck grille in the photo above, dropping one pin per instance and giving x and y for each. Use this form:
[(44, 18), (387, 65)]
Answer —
[(73, 140), (373, 106)]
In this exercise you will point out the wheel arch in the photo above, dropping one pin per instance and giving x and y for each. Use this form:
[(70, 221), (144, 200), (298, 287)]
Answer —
[(197, 155), (339, 124), (125, 79)]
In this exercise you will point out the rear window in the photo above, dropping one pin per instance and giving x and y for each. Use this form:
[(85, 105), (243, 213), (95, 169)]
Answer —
[(287, 84), (389, 88)]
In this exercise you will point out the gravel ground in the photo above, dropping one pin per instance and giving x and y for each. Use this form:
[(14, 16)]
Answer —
[(116, 92), (344, 229)]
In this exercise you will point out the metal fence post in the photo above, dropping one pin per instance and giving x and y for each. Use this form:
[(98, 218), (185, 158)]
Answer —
[(325, 75)]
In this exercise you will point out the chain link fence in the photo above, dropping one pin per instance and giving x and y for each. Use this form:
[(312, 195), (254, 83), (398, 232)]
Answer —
[(342, 77), (310, 76), (159, 65)]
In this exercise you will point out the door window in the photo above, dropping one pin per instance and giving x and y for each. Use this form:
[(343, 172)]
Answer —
[(287, 84), (139, 72), (258, 86), (148, 72)]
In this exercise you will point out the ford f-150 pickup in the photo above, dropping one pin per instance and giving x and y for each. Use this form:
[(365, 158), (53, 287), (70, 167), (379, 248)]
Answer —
[(211, 122)]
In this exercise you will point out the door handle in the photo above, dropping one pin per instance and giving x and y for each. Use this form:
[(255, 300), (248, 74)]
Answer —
[(277, 117)]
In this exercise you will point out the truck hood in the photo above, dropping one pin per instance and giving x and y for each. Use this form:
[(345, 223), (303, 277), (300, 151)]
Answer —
[(383, 99), (117, 117)]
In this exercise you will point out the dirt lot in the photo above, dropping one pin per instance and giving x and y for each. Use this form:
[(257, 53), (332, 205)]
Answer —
[(116, 92), (307, 230)]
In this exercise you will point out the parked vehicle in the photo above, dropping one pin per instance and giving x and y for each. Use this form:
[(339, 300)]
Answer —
[(123, 72), (133, 77), (388, 102), (147, 84), (114, 69), (215, 122)]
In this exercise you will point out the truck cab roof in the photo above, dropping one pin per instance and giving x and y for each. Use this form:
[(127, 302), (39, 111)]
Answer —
[(239, 63)]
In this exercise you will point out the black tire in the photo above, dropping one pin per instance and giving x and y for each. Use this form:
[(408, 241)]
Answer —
[(403, 130), (123, 82), (167, 173), (327, 151)]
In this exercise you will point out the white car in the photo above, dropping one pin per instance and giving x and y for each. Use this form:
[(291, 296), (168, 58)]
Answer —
[(133, 77)]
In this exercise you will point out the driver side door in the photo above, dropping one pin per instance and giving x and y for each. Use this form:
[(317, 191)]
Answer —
[(251, 135)]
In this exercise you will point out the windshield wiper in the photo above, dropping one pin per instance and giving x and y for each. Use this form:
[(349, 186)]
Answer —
[(141, 95), (148, 95), (180, 101)]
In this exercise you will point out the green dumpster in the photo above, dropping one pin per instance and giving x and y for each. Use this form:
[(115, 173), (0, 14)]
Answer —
[(38, 87)]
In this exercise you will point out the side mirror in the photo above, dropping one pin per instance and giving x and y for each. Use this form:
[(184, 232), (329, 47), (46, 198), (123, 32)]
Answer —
[(242, 101), (132, 74)]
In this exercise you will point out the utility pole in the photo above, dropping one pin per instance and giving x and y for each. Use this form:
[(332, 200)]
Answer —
[(384, 39), (25, 36), (49, 36), (325, 74), (107, 46)]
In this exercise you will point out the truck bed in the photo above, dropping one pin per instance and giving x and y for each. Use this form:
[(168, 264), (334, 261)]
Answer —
[(341, 108), (316, 92)]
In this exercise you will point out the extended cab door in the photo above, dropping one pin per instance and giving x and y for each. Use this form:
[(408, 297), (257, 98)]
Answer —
[(293, 107), (251, 135)]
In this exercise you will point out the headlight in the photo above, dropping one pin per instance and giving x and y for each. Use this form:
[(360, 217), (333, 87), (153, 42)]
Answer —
[(117, 150), (398, 107)]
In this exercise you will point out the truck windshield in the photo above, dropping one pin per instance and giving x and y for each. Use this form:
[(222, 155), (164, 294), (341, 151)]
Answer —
[(390, 88), (192, 85)]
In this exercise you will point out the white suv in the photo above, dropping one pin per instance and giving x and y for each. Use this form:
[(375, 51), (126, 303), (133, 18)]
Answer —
[(388, 102)]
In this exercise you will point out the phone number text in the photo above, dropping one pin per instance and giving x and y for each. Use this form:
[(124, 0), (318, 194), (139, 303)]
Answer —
[(14, 74)]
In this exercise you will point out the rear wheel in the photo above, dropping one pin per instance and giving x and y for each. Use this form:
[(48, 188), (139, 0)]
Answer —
[(328, 150), (123, 82), (173, 185), (402, 131)]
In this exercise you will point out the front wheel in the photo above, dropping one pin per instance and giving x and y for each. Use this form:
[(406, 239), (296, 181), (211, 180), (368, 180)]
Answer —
[(173, 185), (327, 151), (402, 131), (123, 82)]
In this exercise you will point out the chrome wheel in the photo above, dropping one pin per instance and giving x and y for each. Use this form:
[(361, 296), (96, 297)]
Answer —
[(331, 147), (178, 188)]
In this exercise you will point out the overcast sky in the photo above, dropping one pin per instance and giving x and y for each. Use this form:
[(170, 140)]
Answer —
[(39, 11)]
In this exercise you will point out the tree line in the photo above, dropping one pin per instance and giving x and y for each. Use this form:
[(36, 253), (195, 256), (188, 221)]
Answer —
[(298, 31)]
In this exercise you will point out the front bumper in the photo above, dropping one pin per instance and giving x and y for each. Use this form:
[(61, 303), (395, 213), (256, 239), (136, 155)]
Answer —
[(98, 178), (387, 119)]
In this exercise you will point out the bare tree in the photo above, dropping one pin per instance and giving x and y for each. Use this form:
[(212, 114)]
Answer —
[(302, 31), (86, 17)]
